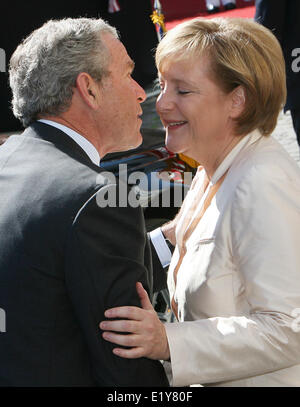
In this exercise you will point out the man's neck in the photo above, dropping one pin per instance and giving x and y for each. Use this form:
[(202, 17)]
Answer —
[(77, 127), (79, 139)]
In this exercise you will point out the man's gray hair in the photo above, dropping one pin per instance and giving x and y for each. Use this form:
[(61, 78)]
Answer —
[(44, 67)]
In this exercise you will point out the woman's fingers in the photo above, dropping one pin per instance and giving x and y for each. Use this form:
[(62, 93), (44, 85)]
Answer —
[(142, 293), (119, 326), (123, 340), (134, 313), (130, 353)]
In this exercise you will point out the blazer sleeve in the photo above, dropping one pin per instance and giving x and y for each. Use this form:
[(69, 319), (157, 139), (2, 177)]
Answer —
[(104, 260), (264, 244)]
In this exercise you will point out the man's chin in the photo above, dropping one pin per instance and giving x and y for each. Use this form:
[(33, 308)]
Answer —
[(134, 144), (139, 140)]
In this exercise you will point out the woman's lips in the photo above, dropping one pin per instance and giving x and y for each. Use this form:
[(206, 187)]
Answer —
[(175, 125)]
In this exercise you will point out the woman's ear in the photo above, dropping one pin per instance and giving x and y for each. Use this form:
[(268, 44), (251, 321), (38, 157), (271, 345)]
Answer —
[(238, 100)]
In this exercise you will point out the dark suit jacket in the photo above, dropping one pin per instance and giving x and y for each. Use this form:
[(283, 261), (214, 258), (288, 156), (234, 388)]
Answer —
[(63, 262), (282, 17)]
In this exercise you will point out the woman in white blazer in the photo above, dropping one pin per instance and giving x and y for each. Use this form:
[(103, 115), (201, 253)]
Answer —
[(234, 278)]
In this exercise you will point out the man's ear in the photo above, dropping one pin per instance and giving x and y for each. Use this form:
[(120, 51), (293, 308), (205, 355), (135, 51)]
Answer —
[(238, 101), (88, 90)]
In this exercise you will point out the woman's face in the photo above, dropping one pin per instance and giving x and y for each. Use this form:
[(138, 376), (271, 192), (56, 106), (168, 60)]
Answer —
[(193, 109)]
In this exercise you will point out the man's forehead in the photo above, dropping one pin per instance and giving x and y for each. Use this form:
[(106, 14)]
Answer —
[(118, 51)]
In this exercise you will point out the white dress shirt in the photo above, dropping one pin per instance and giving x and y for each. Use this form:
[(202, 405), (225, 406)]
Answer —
[(161, 247), (86, 145)]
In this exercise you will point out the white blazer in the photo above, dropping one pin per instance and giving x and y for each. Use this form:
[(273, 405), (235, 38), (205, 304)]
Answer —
[(238, 288)]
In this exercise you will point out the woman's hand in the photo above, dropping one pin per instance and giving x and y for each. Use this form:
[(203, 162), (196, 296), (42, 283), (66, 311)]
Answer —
[(147, 335)]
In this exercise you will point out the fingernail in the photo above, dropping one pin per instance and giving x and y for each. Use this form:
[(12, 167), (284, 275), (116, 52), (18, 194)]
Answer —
[(107, 313)]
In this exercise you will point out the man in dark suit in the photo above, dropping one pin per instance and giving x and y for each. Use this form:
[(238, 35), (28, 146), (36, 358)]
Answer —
[(282, 18), (65, 257)]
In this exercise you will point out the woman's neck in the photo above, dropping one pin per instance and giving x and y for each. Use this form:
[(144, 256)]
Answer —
[(213, 159)]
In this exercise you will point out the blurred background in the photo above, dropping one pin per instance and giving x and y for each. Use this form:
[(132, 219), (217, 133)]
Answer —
[(131, 17)]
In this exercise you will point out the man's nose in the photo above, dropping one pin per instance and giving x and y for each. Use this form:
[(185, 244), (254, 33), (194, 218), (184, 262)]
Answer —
[(141, 94)]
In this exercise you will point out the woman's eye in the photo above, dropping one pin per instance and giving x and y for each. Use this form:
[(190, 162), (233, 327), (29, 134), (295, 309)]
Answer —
[(183, 92)]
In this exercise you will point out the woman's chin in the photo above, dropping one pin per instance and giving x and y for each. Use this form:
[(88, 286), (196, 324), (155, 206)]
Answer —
[(173, 146)]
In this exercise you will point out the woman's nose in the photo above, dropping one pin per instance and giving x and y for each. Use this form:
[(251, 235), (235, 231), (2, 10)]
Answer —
[(164, 102)]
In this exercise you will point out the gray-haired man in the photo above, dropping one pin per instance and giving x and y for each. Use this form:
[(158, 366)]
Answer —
[(63, 259)]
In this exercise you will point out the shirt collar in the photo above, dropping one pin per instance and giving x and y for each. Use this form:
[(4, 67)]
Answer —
[(86, 145), (229, 159)]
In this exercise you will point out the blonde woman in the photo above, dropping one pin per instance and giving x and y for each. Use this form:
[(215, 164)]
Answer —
[(234, 278)]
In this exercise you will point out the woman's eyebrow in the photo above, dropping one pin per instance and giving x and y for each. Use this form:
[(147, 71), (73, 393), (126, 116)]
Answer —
[(183, 82), (178, 81)]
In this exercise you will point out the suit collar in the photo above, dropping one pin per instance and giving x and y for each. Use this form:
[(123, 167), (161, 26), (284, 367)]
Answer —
[(245, 142), (84, 143), (60, 140)]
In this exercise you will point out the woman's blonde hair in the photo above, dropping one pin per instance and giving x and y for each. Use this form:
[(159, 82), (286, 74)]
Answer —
[(242, 53)]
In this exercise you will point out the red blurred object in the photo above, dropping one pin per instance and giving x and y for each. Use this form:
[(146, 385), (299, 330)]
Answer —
[(178, 9)]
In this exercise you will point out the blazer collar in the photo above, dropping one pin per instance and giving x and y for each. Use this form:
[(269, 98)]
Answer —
[(84, 143), (60, 140), (245, 142)]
